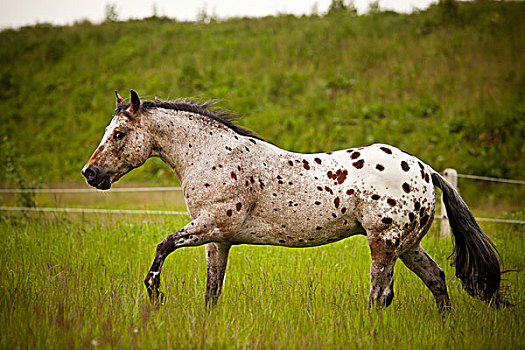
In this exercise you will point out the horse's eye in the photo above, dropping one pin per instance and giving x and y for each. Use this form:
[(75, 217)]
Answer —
[(118, 135)]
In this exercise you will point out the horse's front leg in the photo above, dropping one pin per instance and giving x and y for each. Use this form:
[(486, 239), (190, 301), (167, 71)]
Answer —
[(197, 232), (216, 261)]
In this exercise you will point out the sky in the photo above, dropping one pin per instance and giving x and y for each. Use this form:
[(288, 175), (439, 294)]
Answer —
[(17, 13)]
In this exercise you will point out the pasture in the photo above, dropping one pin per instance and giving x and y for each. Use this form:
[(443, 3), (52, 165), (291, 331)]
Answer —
[(77, 282), (445, 84)]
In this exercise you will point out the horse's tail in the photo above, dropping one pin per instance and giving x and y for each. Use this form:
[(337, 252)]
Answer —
[(475, 256)]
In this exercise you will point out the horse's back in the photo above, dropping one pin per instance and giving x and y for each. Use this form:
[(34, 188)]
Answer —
[(329, 196)]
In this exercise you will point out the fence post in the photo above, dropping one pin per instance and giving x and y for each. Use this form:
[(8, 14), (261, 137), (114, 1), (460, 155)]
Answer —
[(451, 175)]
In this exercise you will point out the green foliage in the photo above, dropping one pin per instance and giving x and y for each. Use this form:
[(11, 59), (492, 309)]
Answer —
[(111, 13), (445, 84), (12, 172), (342, 6), (69, 284)]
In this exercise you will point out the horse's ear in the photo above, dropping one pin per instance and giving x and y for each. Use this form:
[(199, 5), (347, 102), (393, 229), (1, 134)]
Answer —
[(135, 102), (119, 98)]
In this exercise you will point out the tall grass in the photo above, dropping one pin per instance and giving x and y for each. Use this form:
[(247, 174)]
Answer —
[(77, 283)]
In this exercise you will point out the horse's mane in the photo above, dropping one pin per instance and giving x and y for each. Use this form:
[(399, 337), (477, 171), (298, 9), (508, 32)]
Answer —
[(194, 105)]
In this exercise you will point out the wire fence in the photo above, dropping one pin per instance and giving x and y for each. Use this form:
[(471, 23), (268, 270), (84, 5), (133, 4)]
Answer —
[(170, 212), (88, 190), (493, 179), (94, 211)]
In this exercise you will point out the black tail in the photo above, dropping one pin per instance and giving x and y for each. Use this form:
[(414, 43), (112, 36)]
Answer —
[(475, 256)]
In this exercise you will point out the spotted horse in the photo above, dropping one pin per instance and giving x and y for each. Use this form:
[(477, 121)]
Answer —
[(240, 189)]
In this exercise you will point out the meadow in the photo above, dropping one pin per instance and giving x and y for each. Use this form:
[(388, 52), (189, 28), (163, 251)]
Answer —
[(76, 282), (446, 84)]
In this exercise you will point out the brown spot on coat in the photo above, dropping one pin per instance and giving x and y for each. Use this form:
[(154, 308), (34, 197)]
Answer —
[(319, 188), (336, 202), (350, 192), (406, 187), (387, 221), (317, 160), (404, 166), (341, 175), (411, 216), (229, 212), (290, 163), (238, 206), (306, 165), (386, 150), (375, 197), (359, 164), (234, 176), (391, 201), (317, 202), (417, 205), (380, 167), (328, 189), (355, 155), (423, 220)]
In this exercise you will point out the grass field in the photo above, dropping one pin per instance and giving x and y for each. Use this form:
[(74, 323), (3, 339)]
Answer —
[(76, 282), (446, 84)]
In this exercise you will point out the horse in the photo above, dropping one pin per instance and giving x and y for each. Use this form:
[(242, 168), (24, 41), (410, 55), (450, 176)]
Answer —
[(240, 189)]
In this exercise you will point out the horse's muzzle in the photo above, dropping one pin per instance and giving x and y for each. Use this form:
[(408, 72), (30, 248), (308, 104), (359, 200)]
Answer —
[(97, 177)]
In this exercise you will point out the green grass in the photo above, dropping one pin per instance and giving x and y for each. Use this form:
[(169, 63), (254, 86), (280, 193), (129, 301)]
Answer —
[(446, 84), (77, 283)]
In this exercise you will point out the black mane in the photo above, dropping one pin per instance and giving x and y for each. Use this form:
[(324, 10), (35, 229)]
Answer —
[(205, 108)]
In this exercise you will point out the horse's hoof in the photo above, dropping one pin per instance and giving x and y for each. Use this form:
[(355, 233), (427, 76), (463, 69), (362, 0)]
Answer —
[(155, 296)]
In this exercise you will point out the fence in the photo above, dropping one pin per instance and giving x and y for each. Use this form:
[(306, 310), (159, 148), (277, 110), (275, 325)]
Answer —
[(449, 174)]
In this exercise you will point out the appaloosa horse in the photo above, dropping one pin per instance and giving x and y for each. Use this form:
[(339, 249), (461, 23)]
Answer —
[(240, 189)]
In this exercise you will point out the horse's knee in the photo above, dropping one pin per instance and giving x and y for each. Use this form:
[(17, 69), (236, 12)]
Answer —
[(152, 279)]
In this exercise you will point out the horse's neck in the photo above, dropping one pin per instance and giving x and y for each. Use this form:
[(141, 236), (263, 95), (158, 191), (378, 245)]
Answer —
[(186, 141)]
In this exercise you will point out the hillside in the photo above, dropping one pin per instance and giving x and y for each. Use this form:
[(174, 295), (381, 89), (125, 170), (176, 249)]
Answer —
[(446, 84)]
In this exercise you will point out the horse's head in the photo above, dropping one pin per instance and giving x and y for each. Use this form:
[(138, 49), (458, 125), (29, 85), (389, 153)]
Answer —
[(126, 145)]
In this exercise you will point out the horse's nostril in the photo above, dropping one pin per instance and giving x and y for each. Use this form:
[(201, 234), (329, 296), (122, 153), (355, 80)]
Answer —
[(89, 173)]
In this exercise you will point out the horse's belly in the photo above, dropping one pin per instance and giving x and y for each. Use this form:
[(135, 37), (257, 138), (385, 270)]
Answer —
[(293, 234)]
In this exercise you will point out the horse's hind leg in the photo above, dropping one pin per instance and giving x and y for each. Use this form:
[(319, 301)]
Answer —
[(381, 272), (429, 271), (216, 261)]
